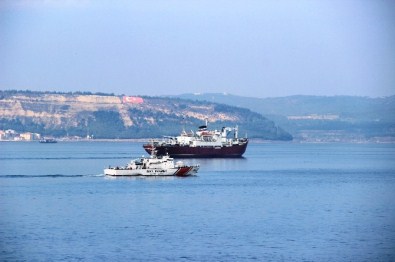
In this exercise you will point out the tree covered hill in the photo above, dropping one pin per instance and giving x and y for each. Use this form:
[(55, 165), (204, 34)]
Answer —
[(321, 116), (110, 116)]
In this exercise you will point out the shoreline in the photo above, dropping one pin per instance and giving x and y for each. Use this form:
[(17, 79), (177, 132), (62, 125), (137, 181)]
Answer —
[(376, 140)]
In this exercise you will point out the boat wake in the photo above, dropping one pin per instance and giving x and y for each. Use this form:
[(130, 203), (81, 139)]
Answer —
[(62, 158), (51, 176)]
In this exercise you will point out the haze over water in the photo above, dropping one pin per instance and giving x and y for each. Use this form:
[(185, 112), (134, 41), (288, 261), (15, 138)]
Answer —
[(282, 201), (247, 48)]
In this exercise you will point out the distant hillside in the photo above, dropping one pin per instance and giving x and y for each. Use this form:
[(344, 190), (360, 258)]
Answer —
[(109, 116), (317, 117)]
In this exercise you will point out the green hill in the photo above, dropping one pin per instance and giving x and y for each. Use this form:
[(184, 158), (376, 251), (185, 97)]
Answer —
[(321, 118)]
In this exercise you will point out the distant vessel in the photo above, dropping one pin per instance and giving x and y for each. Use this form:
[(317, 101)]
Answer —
[(202, 143), (48, 141), (153, 166)]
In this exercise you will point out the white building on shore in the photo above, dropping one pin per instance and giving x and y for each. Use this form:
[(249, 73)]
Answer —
[(12, 135)]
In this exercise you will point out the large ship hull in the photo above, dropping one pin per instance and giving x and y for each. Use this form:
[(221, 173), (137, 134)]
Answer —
[(181, 151)]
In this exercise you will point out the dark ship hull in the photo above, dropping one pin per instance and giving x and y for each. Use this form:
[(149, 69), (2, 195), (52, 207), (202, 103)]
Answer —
[(48, 141), (184, 151)]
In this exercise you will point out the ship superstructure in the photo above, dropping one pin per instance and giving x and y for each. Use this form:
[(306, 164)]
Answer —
[(202, 143), (153, 166)]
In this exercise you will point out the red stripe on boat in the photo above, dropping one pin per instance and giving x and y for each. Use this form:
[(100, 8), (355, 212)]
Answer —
[(183, 171)]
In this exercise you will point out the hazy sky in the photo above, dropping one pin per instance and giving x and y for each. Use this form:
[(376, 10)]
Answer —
[(249, 48)]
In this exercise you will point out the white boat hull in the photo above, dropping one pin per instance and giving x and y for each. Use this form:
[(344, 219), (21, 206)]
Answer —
[(178, 171), (153, 166)]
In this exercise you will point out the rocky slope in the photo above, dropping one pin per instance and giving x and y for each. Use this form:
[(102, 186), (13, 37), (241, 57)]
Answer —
[(110, 116)]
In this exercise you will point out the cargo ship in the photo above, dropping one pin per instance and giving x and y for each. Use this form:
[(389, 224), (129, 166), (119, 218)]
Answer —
[(203, 143)]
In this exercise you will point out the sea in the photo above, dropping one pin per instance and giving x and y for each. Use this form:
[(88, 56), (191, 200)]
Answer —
[(280, 202)]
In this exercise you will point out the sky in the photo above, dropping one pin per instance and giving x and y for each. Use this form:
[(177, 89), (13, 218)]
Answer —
[(250, 48)]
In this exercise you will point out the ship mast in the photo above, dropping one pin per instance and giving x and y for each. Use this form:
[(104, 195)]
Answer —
[(183, 124)]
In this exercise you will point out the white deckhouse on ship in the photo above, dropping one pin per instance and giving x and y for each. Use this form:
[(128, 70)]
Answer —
[(202, 143), (153, 166)]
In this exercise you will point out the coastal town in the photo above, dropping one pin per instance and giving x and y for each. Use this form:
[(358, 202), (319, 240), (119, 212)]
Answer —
[(12, 135), (15, 136)]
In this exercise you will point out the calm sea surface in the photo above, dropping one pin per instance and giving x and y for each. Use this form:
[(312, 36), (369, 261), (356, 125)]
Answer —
[(283, 201)]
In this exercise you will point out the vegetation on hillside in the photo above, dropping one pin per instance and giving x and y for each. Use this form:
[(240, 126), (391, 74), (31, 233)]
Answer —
[(355, 116), (156, 117)]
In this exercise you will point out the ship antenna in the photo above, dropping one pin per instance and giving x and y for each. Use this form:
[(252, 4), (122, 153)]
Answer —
[(153, 152)]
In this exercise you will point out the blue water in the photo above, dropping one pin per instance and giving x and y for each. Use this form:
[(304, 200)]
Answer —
[(283, 201)]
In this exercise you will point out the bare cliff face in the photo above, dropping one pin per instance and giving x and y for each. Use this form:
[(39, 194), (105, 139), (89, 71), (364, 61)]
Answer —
[(70, 110), (110, 116), (56, 109)]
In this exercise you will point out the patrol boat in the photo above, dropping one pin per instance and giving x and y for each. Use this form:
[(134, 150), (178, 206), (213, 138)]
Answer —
[(153, 166)]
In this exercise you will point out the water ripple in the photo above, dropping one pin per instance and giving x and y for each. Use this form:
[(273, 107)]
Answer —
[(49, 176)]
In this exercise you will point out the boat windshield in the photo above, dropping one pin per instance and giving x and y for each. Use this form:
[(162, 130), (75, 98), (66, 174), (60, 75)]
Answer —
[(138, 161)]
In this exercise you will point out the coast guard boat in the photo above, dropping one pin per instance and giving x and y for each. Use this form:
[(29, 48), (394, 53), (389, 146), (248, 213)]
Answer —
[(153, 166), (202, 143)]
